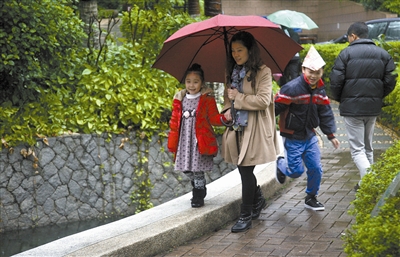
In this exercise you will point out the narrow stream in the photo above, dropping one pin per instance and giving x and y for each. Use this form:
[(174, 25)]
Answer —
[(14, 242)]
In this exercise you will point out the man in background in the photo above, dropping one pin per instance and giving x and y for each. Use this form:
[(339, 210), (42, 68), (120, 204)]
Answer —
[(361, 77)]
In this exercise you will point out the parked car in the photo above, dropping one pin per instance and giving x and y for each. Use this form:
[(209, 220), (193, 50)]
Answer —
[(340, 40), (390, 27)]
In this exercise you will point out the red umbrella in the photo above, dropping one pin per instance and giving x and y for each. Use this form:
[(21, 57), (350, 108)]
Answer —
[(206, 43)]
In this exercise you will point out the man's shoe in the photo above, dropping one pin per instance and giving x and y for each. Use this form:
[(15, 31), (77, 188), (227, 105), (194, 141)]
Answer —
[(312, 203), (280, 177)]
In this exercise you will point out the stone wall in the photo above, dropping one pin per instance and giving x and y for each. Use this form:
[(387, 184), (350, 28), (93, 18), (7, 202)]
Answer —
[(82, 177)]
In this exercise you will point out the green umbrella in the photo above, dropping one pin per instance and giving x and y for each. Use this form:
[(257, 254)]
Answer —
[(292, 19)]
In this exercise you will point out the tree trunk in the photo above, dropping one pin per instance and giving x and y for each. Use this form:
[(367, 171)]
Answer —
[(212, 7), (88, 14), (194, 8)]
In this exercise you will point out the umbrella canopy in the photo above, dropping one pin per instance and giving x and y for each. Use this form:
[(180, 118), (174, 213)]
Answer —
[(292, 19), (206, 43)]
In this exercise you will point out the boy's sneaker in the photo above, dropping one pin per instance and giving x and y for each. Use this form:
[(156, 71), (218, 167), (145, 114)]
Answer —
[(280, 177), (312, 203)]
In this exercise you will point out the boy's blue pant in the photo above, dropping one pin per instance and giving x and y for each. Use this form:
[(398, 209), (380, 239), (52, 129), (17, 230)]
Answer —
[(299, 153)]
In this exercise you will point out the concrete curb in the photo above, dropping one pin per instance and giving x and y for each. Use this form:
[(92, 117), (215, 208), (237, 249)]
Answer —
[(165, 226)]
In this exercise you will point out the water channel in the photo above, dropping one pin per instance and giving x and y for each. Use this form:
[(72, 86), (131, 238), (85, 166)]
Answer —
[(14, 242)]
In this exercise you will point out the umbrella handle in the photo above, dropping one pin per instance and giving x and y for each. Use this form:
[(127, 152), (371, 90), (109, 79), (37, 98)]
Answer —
[(230, 124)]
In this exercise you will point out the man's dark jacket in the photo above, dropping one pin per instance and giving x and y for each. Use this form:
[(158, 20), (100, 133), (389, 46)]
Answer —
[(303, 109), (361, 77)]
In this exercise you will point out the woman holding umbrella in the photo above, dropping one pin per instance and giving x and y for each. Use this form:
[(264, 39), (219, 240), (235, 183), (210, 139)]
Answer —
[(252, 139)]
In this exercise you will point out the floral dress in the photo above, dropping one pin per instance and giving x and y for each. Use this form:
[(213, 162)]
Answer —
[(188, 157)]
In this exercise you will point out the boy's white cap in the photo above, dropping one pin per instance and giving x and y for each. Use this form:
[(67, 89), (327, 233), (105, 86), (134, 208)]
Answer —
[(313, 60)]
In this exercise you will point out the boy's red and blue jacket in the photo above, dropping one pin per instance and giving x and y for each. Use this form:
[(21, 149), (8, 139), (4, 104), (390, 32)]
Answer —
[(302, 109)]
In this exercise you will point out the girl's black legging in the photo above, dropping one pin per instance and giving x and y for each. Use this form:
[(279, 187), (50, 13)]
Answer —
[(249, 184)]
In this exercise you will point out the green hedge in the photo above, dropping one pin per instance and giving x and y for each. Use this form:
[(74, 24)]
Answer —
[(378, 235)]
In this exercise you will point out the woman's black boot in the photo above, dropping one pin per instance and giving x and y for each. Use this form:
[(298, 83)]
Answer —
[(258, 203), (198, 197), (244, 222)]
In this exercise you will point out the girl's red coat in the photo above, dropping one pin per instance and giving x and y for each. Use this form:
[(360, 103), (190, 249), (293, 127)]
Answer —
[(207, 115)]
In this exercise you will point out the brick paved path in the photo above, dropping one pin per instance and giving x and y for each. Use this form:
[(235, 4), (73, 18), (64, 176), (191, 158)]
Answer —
[(285, 227)]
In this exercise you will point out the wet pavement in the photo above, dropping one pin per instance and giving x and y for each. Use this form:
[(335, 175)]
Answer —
[(285, 227)]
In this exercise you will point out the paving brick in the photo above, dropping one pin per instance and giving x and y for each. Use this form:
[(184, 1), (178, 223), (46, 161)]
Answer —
[(285, 227)]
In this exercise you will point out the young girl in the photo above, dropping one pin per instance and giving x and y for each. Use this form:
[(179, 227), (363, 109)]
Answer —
[(191, 137)]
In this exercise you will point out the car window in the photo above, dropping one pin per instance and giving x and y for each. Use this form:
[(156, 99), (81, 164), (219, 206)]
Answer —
[(393, 31), (375, 29)]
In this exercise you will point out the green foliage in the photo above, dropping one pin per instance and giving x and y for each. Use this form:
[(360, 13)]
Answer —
[(121, 88), (107, 13), (378, 235), (141, 196), (52, 85), (391, 110), (381, 5), (392, 47), (40, 53), (372, 4), (57, 86), (35, 37), (121, 91), (392, 6), (152, 26)]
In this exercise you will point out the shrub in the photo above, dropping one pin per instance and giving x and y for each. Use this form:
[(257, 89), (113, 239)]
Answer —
[(51, 84), (41, 51), (376, 235), (121, 92), (119, 89), (391, 110)]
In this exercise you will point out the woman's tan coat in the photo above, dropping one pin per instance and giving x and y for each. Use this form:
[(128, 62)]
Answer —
[(260, 142)]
